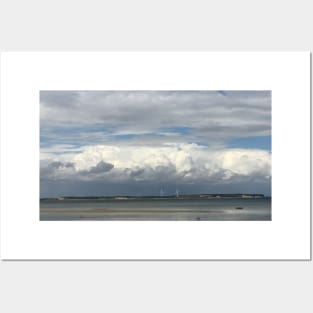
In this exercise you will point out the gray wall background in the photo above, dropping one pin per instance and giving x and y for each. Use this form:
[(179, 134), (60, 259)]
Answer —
[(97, 286)]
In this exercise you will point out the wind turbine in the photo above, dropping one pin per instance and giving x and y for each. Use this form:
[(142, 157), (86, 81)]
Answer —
[(161, 192)]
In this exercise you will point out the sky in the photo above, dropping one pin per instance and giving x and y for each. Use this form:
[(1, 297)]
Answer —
[(109, 143)]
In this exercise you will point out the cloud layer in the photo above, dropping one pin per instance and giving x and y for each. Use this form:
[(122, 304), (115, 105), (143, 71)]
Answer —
[(142, 117)]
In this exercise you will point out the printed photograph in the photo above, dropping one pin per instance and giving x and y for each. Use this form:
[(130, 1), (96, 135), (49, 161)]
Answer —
[(155, 155)]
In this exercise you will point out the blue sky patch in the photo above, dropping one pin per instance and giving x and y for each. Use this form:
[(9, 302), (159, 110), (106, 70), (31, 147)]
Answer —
[(177, 129), (260, 142)]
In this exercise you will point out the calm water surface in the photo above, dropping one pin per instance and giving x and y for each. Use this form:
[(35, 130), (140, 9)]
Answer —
[(157, 210)]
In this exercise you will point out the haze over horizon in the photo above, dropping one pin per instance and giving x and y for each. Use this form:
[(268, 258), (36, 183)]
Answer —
[(102, 143)]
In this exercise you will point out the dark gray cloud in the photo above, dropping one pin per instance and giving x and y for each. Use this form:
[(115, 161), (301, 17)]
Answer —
[(231, 114), (137, 172), (101, 167), (56, 170), (58, 165)]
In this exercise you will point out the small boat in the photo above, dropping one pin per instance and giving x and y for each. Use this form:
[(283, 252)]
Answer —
[(239, 208)]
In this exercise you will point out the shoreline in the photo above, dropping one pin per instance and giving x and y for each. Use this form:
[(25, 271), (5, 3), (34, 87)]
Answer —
[(165, 197)]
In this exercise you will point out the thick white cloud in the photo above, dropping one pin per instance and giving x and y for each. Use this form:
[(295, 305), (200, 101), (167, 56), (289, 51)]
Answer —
[(173, 162)]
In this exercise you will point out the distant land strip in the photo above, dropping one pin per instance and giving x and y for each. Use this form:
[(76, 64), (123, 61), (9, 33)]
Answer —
[(181, 196)]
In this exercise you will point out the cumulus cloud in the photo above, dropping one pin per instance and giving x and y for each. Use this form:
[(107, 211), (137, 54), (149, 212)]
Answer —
[(180, 163)]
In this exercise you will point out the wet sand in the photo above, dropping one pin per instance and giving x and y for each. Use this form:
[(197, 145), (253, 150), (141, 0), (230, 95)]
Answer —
[(104, 214), (156, 210)]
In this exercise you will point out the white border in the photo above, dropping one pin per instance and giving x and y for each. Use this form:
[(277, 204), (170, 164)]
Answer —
[(23, 236)]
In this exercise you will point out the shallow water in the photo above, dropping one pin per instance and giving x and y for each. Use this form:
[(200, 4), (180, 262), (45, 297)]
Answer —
[(157, 210)]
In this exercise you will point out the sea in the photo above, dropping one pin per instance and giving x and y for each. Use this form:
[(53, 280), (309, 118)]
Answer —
[(232, 209)]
